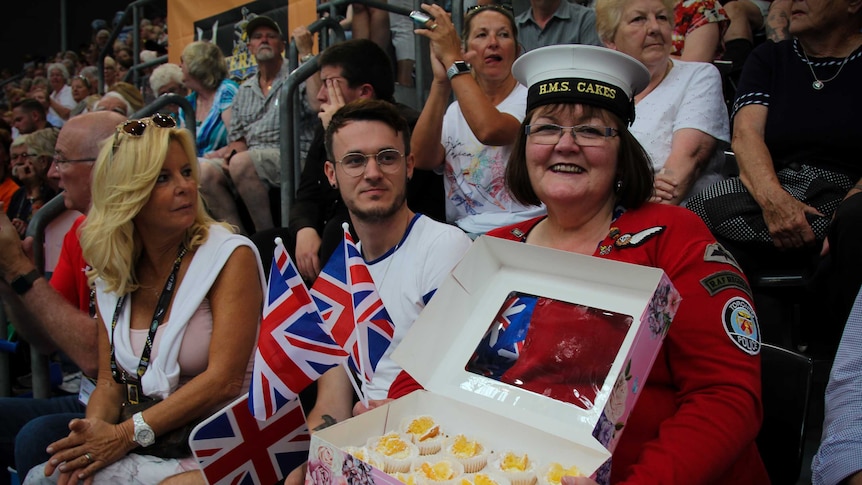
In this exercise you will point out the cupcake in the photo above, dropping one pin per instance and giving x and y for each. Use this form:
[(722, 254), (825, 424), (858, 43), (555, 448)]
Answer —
[(553, 473), (518, 468), (425, 434), (406, 478), (489, 479), (397, 451), (469, 452), (437, 470)]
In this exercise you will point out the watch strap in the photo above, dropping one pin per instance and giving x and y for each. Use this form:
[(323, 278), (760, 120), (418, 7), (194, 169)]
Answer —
[(22, 284), (457, 67)]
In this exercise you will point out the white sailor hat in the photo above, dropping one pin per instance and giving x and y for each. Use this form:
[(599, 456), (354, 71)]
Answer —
[(585, 74)]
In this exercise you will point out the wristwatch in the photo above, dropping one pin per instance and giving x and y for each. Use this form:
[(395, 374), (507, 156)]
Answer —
[(22, 284), (457, 67), (306, 58), (144, 435)]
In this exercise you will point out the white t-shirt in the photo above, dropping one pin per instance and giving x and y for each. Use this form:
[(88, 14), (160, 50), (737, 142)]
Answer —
[(689, 97), (64, 97), (474, 177), (406, 277)]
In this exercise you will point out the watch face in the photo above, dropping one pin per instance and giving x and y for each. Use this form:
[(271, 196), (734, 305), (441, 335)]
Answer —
[(145, 437)]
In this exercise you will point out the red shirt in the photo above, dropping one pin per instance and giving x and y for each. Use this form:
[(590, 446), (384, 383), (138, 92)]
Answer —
[(69, 277)]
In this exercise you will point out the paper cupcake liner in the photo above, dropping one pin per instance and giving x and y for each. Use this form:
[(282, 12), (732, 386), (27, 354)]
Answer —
[(427, 446), (422, 479), (393, 464), (543, 474), (472, 464), (526, 477)]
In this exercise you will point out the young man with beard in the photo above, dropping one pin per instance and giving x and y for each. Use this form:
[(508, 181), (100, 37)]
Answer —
[(408, 254), (250, 162)]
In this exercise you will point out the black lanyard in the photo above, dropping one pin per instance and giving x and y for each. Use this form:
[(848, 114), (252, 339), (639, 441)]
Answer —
[(119, 375)]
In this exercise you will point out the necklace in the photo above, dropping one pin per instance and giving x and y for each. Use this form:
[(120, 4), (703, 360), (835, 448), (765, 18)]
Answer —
[(818, 84)]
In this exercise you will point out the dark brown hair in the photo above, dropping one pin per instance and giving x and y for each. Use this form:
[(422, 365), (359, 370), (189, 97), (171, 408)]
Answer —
[(634, 168), (367, 110)]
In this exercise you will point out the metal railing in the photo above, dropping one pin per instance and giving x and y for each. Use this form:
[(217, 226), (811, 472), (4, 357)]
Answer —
[(135, 8)]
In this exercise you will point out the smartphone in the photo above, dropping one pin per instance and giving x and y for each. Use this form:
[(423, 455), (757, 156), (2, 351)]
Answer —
[(421, 18)]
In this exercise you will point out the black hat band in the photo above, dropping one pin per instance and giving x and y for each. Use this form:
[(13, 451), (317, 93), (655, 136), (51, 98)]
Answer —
[(580, 90)]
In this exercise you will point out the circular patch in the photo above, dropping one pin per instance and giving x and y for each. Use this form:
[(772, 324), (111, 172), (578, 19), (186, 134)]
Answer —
[(740, 323)]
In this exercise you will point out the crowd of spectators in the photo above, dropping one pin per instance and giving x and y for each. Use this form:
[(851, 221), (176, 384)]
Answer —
[(461, 149)]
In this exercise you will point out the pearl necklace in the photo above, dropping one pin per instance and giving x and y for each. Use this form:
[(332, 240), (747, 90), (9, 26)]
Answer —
[(818, 84)]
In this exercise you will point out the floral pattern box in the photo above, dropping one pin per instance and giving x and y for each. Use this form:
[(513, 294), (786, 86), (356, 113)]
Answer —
[(526, 348)]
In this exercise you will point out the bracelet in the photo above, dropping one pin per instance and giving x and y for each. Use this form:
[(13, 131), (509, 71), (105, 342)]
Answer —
[(306, 58)]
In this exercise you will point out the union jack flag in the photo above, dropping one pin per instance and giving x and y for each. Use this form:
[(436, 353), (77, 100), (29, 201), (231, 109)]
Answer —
[(294, 348), (232, 447), (502, 343), (353, 311)]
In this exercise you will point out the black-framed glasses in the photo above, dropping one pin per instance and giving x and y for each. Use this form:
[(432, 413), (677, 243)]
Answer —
[(136, 128), (62, 162), (584, 135), (388, 161)]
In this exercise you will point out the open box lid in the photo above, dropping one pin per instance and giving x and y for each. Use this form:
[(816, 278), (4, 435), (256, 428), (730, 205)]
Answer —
[(442, 340)]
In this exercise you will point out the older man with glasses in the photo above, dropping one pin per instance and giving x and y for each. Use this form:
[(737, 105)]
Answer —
[(55, 316)]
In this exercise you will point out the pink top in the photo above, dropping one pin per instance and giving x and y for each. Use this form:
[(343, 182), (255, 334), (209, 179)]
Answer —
[(194, 351)]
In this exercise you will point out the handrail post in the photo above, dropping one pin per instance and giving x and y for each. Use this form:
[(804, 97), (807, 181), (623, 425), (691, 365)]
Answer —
[(289, 165)]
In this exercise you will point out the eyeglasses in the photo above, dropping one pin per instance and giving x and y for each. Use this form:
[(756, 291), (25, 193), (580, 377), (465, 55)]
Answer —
[(137, 128), (387, 160), (25, 156), (584, 135), (62, 162)]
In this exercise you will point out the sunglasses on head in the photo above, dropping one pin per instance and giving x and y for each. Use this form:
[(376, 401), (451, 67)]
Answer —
[(137, 128), (503, 8)]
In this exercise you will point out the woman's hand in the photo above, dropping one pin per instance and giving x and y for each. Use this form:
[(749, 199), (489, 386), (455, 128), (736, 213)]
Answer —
[(91, 445), (443, 38), (665, 188), (20, 226), (785, 218)]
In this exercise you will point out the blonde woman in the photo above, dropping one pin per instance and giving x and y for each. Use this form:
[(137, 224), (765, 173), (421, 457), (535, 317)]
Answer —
[(205, 73), (179, 301)]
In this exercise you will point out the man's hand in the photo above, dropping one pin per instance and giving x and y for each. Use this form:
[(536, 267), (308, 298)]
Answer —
[(336, 101), (304, 40), (785, 218), (13, 261), (360, 408), (307, 247)]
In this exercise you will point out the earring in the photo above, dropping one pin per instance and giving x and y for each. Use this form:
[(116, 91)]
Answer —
[(333, 186), (618, 185)]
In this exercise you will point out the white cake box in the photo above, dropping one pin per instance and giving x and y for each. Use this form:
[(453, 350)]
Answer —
[(637, 303)]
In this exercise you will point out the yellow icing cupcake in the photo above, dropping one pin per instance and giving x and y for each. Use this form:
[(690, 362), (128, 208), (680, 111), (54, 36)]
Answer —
[(518, 468), (553, 473), (438, 471), (396, 450), (471, 453), (424, 432)]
